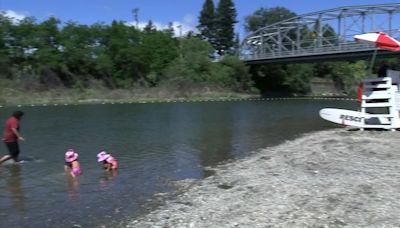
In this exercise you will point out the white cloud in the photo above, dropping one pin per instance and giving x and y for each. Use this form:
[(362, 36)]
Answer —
[(15, 16), (181, 28)]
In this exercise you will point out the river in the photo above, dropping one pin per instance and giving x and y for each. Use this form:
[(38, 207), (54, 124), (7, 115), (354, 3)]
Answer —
[(154, 144)]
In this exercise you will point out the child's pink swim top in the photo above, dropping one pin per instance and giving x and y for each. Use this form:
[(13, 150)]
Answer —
[(114, 164), (76, 170)]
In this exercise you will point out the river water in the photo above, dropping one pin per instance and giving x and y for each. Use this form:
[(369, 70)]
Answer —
[(154, 144)]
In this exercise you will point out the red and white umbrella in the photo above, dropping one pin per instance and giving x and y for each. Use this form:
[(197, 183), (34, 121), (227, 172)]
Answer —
[(380, 39)]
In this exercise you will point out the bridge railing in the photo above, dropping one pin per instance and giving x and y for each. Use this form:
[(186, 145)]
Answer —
[(342, 47)]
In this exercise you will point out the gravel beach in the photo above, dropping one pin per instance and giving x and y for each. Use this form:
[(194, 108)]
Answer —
[(333, 178)]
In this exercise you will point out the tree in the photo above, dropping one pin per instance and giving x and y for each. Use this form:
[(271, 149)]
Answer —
[(276, 79), (207, 22), (239, 75), (298, 77), (77, 43), (48, 55), (345, 75), (236, 46), (194, 62), (17, 39), (157, 49), (6, 38), (121, 43), (52, 54), (195, 69), (225, 23), (149, 27), (266, 16)]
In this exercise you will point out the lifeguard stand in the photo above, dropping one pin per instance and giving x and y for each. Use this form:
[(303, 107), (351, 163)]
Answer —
[(381, 101)]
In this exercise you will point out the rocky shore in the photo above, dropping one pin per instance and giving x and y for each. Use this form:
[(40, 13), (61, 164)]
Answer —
[(333, 178)]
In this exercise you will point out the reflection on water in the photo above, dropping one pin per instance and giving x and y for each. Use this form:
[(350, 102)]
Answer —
[(73, 187), (107, 179), (154, 144), (14, 187)]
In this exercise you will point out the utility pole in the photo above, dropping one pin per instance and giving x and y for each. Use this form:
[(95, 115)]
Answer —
[(180, 30), (180, 39), (135, 13)]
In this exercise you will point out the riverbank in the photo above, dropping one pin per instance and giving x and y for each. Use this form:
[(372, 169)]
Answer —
[(26, 94), (333, 178), (12, 96)]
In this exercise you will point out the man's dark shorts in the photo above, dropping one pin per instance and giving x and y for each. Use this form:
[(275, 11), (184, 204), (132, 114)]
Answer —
[(13, 149)]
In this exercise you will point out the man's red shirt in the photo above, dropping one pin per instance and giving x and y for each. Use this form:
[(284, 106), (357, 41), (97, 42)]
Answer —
[(8, 134)]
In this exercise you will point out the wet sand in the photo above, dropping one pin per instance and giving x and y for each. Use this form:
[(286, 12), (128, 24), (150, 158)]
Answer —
[(334, 178)]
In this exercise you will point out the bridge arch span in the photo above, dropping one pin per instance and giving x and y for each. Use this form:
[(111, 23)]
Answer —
[(319, 35)]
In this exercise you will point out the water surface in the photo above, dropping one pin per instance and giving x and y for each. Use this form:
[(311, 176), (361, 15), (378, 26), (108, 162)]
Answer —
[(154, 143)]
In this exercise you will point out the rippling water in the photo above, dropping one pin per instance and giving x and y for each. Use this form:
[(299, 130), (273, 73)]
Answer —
[(154, 143)]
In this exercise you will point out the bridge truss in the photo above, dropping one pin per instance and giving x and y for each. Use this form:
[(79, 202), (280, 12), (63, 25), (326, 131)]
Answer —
[(322, 33)]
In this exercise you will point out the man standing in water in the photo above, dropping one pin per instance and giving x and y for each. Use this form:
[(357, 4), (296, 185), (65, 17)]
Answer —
[(11, 136)]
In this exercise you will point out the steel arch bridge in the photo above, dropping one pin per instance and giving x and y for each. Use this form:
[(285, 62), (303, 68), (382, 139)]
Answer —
[(325, 34)]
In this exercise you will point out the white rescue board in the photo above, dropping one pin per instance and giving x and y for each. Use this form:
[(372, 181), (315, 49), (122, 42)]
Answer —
[(343, 116), (351, 118)]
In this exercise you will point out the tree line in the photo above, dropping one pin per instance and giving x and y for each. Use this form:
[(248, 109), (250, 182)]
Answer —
[(51, 54), (216, 25)]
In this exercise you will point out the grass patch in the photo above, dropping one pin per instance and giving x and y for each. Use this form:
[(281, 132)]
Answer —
[(11, 95)]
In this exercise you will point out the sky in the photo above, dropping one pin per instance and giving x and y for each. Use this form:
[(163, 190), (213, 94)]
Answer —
[(182, 13)]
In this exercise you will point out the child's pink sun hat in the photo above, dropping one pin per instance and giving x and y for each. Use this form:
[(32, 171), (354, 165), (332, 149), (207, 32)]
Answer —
[(71, 155), (102, 156)]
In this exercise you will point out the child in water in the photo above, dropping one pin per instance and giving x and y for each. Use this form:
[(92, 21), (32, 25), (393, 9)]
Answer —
[(71, 163), (109, 162)]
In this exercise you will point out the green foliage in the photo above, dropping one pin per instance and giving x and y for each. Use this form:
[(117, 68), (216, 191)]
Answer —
[(77, 52), (346, 75), (225, 22), (298, 78), (240, 78), (46, 42), (121, 43), (266, 16), (278, 79), (329, 34), (5, 55), (295, 78), (194, 66), (149, 27), (193, 62), (52, 54), (217, 26), (157, 49), (207, 22), (268, 78)]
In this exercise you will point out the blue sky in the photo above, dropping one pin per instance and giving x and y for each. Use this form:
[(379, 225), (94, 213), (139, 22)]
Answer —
[(161, 12)]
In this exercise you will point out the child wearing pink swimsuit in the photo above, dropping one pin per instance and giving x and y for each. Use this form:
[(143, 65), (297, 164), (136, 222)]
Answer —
[(71, 163), (109, 162)]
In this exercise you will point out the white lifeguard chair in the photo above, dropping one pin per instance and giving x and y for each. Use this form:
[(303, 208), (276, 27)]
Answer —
[(381, 102)]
